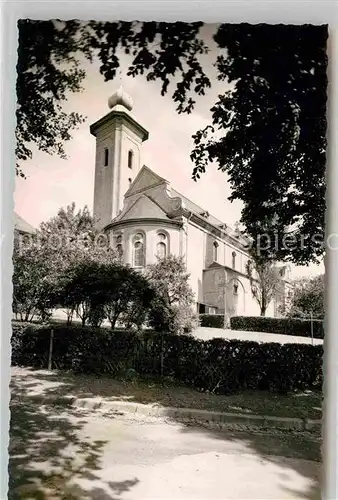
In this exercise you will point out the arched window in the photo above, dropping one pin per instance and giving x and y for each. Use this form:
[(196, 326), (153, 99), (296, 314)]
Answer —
[(233, 260), (249, 267), (235, 288), (106, 157), (130, 159), (130, 180), (119, 247), (162, 245), (138, 250), (119, 250), (215, 251), (161, 250)]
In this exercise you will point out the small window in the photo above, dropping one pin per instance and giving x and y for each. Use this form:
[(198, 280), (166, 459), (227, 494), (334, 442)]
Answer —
[(138, 250), (130, 159), (129, 180), (119, 250), (119, 247), (235, 289), (215, 251), (106, 157), (233, 260), (161, 250), (162, 245), (249, 267)]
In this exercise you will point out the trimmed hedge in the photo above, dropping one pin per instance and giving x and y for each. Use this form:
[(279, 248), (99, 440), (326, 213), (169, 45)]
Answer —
[(212, 320), (225, 366), (282, 326)]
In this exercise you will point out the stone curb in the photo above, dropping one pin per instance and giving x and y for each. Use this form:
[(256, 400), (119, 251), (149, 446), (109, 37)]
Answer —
[(186, 414), (265, 421)]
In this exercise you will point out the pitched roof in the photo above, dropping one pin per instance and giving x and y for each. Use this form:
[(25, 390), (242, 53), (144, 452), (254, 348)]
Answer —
[(193, 207), (147, 178), (22, 226)]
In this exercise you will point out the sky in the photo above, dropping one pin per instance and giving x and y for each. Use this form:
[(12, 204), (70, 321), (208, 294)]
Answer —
[(52, 183)]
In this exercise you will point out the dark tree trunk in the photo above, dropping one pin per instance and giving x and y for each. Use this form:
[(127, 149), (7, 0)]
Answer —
[(113, 322), (263, 306)]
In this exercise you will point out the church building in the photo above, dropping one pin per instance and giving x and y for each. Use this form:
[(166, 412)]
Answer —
[(146, 217)]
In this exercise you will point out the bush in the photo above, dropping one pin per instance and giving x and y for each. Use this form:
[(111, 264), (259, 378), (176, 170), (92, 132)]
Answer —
[(282, 326), (219, 365), (212, 320), (175, 319)]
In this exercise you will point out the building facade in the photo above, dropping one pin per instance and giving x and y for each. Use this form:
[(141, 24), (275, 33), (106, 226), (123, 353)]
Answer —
[(146, 217)]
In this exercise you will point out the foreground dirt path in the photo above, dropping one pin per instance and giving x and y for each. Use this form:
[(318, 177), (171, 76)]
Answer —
[(59, 452)]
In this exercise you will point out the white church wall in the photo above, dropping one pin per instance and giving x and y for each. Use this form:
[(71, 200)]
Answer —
[(150, 233), (128, 173), (103, 199), (195, 254)]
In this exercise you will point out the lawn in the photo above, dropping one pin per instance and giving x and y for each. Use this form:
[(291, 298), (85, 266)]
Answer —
[(301, 405), (168, 394)]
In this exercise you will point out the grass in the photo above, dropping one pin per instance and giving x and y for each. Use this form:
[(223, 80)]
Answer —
[(169, 394), (301, 405)]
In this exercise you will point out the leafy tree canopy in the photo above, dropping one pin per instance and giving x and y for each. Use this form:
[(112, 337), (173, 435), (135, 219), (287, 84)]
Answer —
[(308, 298), (96, 291), (46, 262), (267, 133), (71, 237), (32, 284), (172, 306)]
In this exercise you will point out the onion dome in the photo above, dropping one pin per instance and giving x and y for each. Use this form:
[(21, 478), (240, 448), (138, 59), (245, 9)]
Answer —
[(120, 98)]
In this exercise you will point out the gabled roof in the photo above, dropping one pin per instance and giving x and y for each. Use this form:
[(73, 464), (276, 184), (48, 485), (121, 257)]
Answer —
[(147, 179), (193, 207), (144, 180), (143, 208), (22, 226)]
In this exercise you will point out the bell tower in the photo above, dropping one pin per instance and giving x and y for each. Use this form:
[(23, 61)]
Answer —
[(118, 149)]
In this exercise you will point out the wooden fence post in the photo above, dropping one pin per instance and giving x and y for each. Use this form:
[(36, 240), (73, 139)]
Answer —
[(50, 349)]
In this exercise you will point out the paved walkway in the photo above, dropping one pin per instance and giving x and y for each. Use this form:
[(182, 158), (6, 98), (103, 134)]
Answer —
[(58, 452), (210, 333)]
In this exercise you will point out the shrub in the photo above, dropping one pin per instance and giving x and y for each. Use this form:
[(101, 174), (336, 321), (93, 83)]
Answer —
[(172, 308), (219, 365), (282, 326), (212, 320)]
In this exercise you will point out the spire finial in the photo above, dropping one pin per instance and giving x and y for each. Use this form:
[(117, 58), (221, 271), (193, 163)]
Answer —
[(120, 97)]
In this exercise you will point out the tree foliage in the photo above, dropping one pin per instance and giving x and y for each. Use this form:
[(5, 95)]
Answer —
[(71, 237), (47, 69), (308, 298), (79, 290), (45, 262), (265, 280), (98, 291), (172, 306), (268, 132), (273, 139), (31, 284), (125, 295)]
